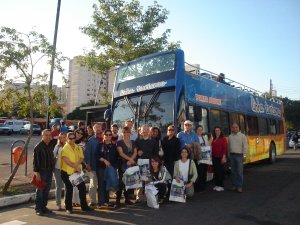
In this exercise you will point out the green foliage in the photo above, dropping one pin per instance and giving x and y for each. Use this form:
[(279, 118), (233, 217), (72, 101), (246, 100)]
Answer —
[(292, 113), (122, 31), (22, 52)]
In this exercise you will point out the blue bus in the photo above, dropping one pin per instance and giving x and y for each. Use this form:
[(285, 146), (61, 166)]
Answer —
[(161, 89)]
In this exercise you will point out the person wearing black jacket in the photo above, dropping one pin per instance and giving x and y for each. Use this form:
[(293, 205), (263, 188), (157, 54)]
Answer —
[(147, 146), (107, 157), (171, 148)]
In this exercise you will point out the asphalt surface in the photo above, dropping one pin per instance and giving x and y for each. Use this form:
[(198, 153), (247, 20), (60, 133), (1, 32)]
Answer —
[(271, 197)]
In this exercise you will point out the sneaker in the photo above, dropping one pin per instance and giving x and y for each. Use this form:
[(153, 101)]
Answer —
[(219, 189), (69, 212), (215, 188), (58, 208), (39, 213), (239, 190), (91, 204)]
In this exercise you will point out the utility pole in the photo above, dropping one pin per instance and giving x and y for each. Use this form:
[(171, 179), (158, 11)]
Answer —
[(52, 62)]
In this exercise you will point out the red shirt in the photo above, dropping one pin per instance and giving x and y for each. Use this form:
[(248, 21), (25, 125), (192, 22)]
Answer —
[(219, 147)]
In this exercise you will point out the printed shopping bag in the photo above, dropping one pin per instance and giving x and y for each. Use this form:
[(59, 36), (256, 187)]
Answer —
[(144, 169), (177, 193), (131, 178)]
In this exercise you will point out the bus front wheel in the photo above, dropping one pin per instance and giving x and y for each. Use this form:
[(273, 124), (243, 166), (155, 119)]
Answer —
[(272, 156)]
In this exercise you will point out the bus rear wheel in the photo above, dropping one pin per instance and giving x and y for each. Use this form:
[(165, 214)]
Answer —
[(272, 154)]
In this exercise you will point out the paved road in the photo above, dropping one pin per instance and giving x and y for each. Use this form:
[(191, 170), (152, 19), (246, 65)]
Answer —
[(271, 197), (5, 146)]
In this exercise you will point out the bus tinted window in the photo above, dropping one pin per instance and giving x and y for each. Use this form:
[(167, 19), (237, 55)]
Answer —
[(219, 118), (239, 119), (263, 126), (272, 126), (279, 126), (252, 125), (146, 66)]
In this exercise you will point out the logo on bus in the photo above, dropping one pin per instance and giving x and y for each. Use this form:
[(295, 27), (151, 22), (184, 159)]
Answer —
[(206, 99), (146, 87), (259, 107)]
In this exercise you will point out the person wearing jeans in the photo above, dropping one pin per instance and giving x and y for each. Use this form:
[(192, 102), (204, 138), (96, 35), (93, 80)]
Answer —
[(43, 165), (237, 147), (62, 138)]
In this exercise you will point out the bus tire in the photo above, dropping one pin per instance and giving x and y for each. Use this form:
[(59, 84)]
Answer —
[(272, 154)]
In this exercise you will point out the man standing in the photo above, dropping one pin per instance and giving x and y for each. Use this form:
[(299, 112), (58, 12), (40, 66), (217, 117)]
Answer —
[(92, 147), (187, 137), (147, 147), (43, 165), (237, 148)]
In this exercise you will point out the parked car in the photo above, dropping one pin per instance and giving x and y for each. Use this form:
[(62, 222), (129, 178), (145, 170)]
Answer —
[(26, 129), (4, 129), (55, 121), (15, 125), (72, 128)]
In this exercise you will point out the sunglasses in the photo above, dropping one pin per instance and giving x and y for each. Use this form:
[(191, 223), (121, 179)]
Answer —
[(108, 134), (170, 129), (72, 138), (80, 133)]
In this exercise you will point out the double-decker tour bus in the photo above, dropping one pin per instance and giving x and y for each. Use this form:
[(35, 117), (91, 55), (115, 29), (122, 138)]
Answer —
[(161, 89)]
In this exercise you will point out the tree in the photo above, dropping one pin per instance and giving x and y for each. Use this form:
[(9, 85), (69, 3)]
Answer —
[(292, 113), (22, 52), (78, 114), (122, 31)]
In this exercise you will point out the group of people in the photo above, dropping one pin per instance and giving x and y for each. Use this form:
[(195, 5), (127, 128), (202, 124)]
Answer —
[(106, 154)]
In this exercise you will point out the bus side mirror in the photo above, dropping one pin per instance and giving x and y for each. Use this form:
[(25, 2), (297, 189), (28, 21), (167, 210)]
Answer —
[(197, 113)]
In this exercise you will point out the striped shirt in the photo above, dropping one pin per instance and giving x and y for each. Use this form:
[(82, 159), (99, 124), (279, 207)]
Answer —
[(43, 157)]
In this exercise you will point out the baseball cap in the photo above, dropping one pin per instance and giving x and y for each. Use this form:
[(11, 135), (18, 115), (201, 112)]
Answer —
[(188, 122)]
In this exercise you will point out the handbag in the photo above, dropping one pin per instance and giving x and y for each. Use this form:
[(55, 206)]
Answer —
[(38, 184)]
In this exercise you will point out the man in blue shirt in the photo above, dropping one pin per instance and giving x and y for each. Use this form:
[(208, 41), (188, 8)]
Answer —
[(188, 136)]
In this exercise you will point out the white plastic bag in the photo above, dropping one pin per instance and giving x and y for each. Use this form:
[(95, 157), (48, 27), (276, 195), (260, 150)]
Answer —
[(151, 195)]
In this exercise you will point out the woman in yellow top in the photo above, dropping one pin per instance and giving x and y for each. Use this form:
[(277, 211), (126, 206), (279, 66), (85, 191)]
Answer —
[(71, 159)]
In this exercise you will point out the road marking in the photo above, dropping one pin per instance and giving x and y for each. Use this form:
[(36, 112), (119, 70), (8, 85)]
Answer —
[(14, 222)]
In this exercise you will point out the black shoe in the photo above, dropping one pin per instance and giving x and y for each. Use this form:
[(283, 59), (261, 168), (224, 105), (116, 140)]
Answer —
[(128, 202), (47, 211), (39, 213), (87, 209)]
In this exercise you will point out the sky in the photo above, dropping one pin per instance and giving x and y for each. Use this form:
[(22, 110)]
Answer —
[(250, 41)]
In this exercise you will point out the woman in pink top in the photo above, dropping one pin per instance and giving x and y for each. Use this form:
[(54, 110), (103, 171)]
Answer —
[(219, 152)]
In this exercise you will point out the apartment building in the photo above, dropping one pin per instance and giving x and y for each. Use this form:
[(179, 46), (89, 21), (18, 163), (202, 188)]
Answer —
[(85, 85)]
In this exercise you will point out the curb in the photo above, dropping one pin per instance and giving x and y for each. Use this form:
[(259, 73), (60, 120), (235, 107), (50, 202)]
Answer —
[(26, 198)]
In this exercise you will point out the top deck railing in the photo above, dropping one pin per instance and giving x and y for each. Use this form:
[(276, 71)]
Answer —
[(221, 78)]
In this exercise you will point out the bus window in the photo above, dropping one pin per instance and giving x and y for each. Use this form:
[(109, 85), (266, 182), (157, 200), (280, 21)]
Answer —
[(263, 126), (252, 125), (279, 127), (199, 116), (239, 119), (219, 118), (272, 126)]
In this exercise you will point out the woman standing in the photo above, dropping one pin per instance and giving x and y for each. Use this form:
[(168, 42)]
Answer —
[(219, 152), (62, 138), (128, 152), (108, 158), (72, 157), (171, 148), (185, 169), (201, 167)]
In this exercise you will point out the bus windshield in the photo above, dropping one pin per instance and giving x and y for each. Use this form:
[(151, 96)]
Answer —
[(146, 67), (151, 108)]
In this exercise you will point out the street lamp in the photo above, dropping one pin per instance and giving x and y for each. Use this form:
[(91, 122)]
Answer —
[(52, 62)]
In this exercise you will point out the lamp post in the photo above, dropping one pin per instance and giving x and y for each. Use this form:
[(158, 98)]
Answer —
[(52, 61)]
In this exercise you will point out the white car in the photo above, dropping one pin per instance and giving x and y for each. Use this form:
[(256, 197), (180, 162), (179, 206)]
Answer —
[(26, 129)]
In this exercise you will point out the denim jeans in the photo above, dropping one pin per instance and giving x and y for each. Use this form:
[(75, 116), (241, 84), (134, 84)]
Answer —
[(41, 196), (58, 186), (237, 167), (103, 195)]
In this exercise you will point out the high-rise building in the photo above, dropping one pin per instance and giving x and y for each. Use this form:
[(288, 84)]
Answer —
[(85, 85)]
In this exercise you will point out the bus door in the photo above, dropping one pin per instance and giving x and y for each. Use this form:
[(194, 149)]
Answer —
[(256, 142)]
